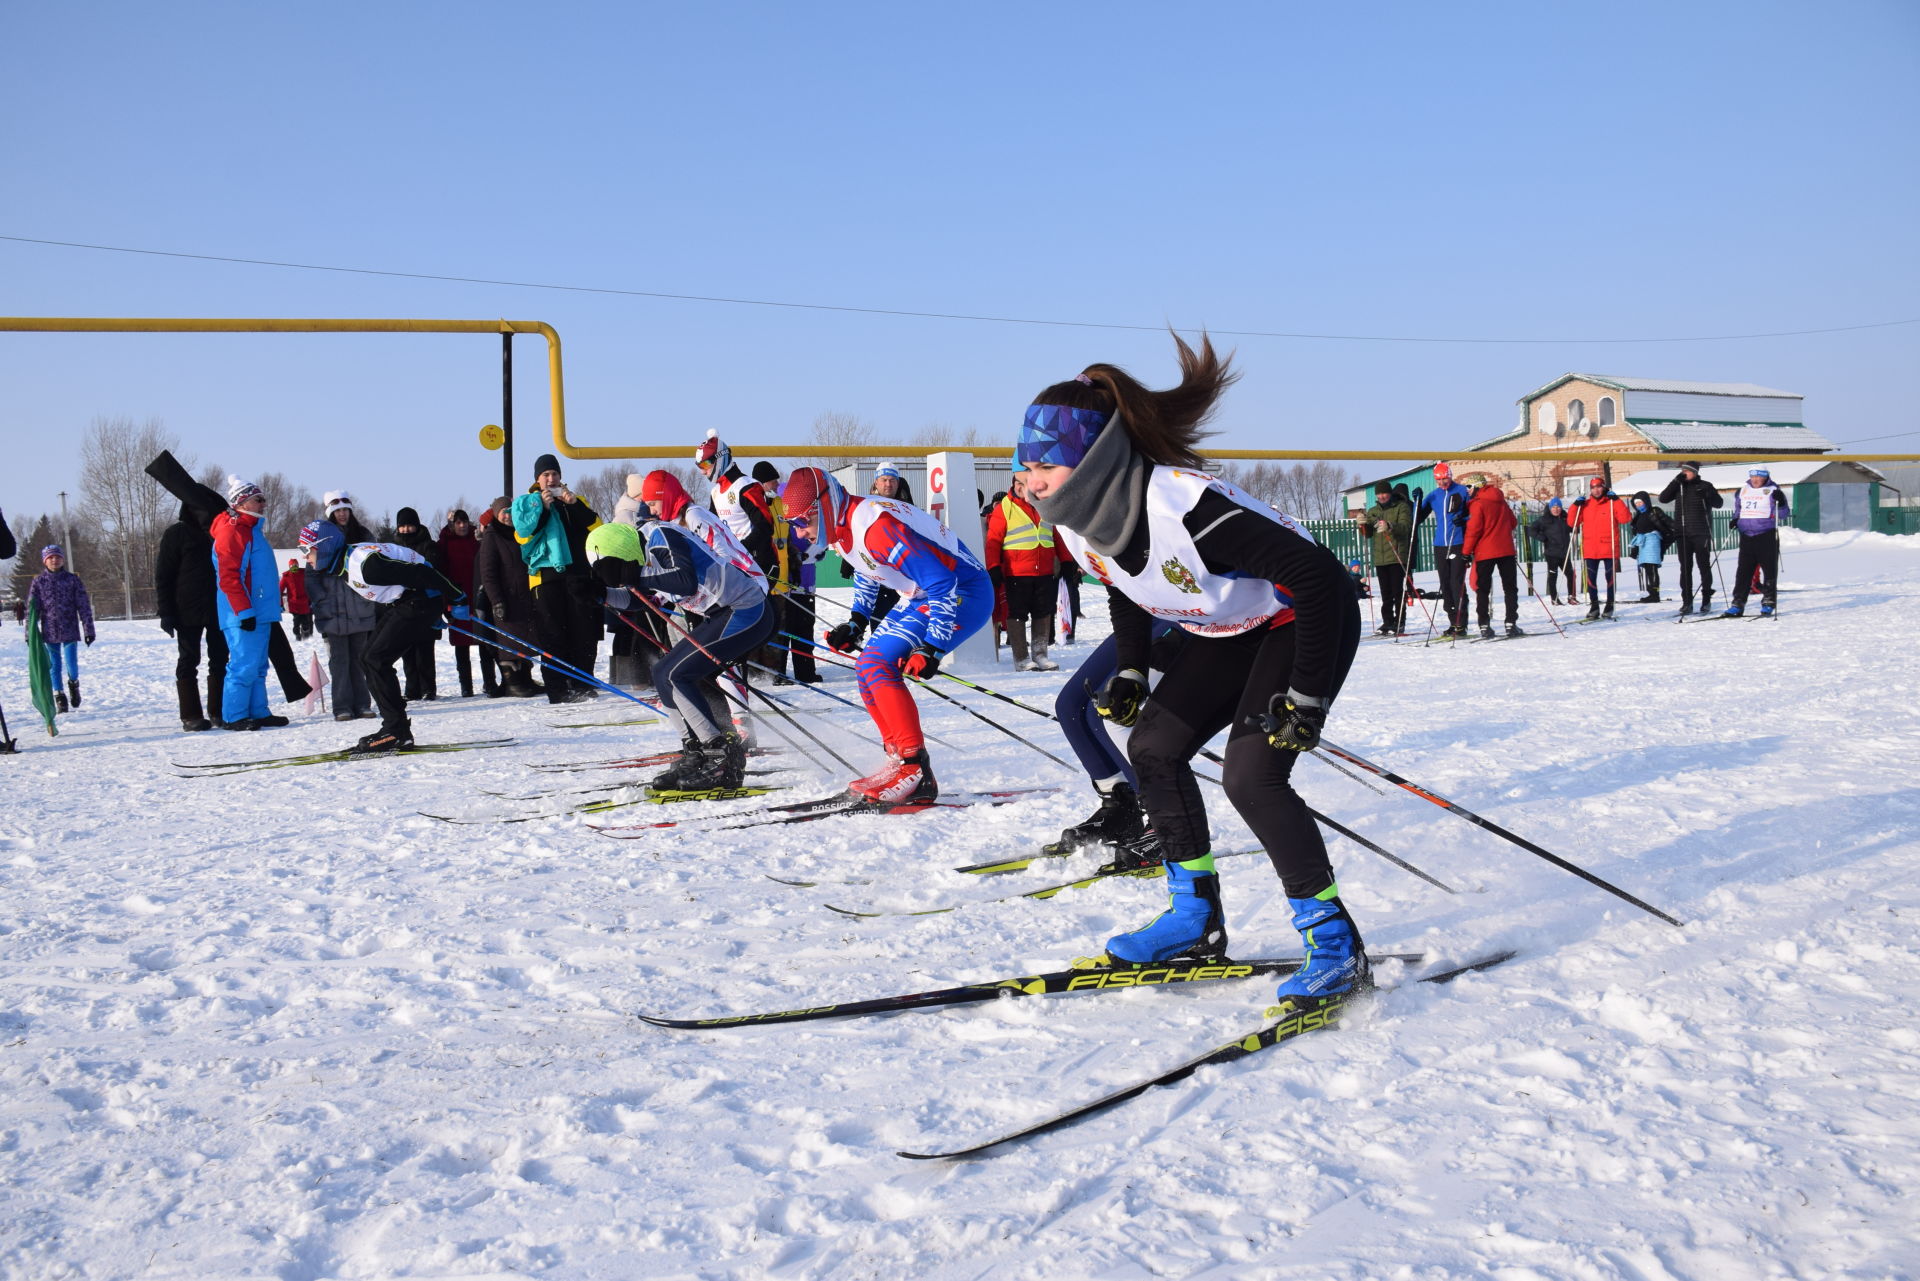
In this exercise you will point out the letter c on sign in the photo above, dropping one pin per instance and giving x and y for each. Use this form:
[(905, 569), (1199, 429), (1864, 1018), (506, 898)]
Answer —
[(937, 480)]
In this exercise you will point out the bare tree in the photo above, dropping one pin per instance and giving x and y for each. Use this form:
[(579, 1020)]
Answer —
[(27, 564), (122, 502), (946, 434), (840, 429), (1307, 492)]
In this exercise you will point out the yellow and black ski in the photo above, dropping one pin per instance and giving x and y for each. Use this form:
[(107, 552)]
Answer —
[(1084, 978), (1291, 1023)]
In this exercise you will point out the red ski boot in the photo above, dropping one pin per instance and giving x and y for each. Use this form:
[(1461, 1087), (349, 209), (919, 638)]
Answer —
[(901, 782)]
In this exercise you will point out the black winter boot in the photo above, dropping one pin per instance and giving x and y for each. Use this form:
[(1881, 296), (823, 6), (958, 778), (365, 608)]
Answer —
[(73, 692), (1118, 820)]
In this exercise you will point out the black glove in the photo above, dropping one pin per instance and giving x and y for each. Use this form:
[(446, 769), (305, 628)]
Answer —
[(610, 570), (249, 624), (922, 663), (167, 624), (1289, 726), (499, 615), (1122, 697), (846, 638), (586, 589)]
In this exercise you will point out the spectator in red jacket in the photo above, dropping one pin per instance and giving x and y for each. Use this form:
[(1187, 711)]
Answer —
[(1022, 559), (1489, 546), (459, 545), (1596, 521), (293, 597)]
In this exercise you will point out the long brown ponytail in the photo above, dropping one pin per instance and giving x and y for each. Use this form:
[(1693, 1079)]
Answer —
[(1164, 425)]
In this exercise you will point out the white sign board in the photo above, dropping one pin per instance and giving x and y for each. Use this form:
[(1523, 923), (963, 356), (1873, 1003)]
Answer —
[(952, 498)]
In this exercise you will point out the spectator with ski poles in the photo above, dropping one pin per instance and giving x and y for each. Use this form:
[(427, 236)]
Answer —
[(735, 618), (1595, 522), (1555, 536), (1758, 508), (416, 596), (945, 597), (1115, 467), (1447, 504), (1694, 502), (1387, 527), (183, 589), (1489, 548)]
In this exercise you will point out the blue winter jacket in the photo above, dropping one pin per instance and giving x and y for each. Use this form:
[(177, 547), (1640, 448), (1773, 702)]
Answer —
[(1647, 548), (249, 572), (1449, 527)]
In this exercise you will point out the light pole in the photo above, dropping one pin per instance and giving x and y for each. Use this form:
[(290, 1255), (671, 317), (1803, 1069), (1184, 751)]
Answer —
[(66, 534)]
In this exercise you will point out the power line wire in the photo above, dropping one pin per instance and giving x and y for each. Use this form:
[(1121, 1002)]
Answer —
[(933, 315), (1889, 436)]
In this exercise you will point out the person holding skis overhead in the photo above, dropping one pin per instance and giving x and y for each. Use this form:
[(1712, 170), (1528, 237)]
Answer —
[(1115, 467), (415, 594), (730, 595), (945, 597)]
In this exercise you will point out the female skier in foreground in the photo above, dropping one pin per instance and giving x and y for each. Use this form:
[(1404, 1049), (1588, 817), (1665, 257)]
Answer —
[(1275, 621)]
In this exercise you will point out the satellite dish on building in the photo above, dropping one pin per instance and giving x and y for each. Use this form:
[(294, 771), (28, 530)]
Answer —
[(1586, 427)]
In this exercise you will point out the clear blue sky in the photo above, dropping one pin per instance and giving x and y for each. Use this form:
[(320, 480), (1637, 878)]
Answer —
[(1514, 170)]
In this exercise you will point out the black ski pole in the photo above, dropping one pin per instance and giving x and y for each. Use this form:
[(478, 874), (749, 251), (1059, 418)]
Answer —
[(689, 637), (937, 692), (1525, 844), (7, 745), (925, 733)]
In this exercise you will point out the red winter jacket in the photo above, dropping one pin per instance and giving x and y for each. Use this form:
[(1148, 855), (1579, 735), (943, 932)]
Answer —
[(1490, 525), (457, 556), (293, 590), (1596, 523)]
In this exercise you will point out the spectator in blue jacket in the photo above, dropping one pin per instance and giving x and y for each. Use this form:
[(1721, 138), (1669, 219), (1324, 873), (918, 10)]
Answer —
[(1447, 504)]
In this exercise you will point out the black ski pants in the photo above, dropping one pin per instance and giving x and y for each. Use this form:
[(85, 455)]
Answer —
[(186, 669), (1484, 570), (1393, 597), (1216, 684), (1556, 570), (1452, 567), (1759, 551), (347, 669), (402, 627), (794, 615), (685, 676), (1595, 567), (568, 627), (1695, 549)]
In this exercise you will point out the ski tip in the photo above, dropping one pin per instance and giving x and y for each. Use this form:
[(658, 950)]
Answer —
[(847, 911)]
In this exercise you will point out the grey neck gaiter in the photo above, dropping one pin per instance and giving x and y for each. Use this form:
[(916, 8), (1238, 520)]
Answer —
[(1105, 498)]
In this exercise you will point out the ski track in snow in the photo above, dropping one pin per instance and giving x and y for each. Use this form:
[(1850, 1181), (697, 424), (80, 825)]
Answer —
[(278, 1025)]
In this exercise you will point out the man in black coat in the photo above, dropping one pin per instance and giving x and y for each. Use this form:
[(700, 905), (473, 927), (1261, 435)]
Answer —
[(183, 583), (500, 580), (1694, 502)]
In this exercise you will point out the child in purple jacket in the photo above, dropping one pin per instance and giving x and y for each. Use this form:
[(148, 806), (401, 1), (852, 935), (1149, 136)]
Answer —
[(66, 618)]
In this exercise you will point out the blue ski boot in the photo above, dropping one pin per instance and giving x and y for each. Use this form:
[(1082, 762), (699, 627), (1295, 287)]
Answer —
[(1336, 958), (1192, 926), (1766, 611), (1732, 611)]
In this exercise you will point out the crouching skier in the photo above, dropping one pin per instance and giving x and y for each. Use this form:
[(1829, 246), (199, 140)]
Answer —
[(1115, 467), (416, 595), (946, 596), (668, 560)]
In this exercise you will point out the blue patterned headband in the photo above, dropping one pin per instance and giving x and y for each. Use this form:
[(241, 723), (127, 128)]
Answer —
[(1058, 435)]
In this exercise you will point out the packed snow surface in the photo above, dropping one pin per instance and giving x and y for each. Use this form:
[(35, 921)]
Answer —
[(282, 1025)]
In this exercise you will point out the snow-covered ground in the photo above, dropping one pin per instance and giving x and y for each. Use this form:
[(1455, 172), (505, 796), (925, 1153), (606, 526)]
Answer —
[(281, 1025)]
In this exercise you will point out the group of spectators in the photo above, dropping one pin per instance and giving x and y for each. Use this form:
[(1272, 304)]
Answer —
[(1581, 544)]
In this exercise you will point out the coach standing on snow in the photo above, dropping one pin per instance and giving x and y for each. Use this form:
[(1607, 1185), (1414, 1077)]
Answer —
[(1694, 502)]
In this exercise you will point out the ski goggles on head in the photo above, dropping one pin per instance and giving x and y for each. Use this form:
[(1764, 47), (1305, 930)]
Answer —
[(1058, 435)]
